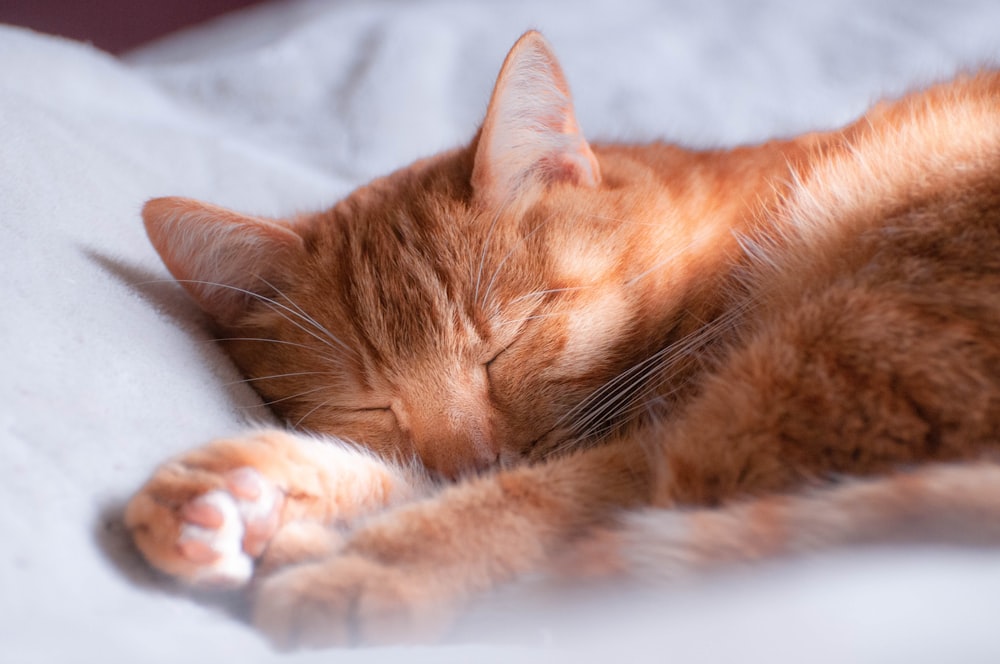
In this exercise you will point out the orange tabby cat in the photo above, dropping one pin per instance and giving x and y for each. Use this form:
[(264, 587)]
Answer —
[(527, 335)]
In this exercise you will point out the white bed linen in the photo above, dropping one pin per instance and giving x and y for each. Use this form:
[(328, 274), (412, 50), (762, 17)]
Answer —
[(105, 370)]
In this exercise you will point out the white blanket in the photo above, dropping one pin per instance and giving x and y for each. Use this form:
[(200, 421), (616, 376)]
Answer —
[(105, 370)]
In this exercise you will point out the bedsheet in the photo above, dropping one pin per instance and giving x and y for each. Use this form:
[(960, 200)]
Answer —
[(107, 368)]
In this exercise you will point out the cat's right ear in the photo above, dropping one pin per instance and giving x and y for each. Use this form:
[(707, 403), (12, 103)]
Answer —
[(220, 257)]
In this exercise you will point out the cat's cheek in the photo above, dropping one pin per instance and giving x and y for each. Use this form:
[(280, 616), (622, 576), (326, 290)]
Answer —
[(374, 430)]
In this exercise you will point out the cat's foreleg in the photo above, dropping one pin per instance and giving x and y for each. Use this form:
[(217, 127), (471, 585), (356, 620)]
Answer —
[(403, 575), (208, 516)]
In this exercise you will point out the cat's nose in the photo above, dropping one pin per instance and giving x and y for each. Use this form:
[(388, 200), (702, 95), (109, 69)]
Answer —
[(454, 468), (458, 456), (450, 423)]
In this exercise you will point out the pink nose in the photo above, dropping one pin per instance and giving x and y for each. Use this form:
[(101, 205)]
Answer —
[(459, 456)]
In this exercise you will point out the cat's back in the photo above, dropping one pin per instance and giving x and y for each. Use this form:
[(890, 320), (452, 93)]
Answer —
[(871, 336)]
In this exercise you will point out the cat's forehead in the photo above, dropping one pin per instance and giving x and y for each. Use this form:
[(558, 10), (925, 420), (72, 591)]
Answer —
[(412, 255), (418, 219)]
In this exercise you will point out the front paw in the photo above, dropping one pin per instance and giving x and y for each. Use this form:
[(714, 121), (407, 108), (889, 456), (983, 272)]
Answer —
[(351, 600), (205, 527)]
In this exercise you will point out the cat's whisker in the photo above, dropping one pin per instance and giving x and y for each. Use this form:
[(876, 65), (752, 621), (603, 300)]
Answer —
[(600, 392), (633, 402), (291, 396), (663, 361), (645, 401), (618, 395), (322, 404), (611, 406), (265, 340), (279, 309), (276, 376), (309, 318), (316, 352)]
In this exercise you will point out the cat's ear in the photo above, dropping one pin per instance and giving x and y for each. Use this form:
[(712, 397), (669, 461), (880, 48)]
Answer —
[(530, 135), (220, 257)]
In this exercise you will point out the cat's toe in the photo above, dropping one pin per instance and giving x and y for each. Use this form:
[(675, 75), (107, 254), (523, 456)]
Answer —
[(259, 503), (211, 537), (203, 528), (225, 530)]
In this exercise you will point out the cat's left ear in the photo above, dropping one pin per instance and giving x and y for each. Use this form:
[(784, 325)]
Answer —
[(530, 136)]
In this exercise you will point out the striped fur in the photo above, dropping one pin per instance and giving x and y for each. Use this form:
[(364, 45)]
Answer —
[(626, 360)]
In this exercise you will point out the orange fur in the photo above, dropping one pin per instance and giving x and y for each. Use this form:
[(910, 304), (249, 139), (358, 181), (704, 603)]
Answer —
[(560, 331)]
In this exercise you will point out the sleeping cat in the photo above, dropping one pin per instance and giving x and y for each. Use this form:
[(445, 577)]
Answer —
[(640, 358)]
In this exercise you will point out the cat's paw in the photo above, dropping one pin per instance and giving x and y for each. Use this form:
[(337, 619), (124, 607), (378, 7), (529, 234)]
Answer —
[(206, 516), (203, 527), (351, 600)]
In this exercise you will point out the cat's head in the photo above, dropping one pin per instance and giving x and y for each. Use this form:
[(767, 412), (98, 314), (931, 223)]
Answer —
[(461, 309)]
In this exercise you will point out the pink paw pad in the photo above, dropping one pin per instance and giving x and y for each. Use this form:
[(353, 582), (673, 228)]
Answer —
[(225, 529)]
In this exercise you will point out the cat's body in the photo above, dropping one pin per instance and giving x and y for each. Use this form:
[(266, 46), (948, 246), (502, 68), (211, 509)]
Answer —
[(797, 343)]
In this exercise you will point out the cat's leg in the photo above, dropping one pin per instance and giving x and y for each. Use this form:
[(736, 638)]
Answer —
[(403, 574), (205, 516), (954, 503)]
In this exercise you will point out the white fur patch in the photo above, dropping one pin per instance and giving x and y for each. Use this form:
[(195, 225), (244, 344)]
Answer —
[(233, 567), (264, 505)]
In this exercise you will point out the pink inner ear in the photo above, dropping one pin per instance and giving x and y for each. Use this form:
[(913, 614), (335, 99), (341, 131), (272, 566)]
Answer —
[(530, 135), (219, 256)]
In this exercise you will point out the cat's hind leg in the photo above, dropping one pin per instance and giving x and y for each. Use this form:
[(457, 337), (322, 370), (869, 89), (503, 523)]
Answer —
[(952, 504), (206, 516)]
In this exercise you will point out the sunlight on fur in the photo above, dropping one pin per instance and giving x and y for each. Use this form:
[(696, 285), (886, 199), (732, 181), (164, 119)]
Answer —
[(628, 363)]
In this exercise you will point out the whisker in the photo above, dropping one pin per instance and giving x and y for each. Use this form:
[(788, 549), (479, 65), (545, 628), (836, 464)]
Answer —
[(312, 410), (625, 402), (277, 307), (290, 396), (265, 339), (644, 401), (627, 391), (600, 392), (273, 376), (313, 350), (668, 356), (629, 395), (309, 318)]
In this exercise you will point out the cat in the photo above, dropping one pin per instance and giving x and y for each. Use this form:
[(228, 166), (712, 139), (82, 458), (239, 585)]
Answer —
[(629, 360)]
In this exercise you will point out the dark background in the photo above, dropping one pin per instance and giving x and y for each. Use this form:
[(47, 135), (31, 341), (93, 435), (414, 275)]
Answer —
[(113, 25)]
